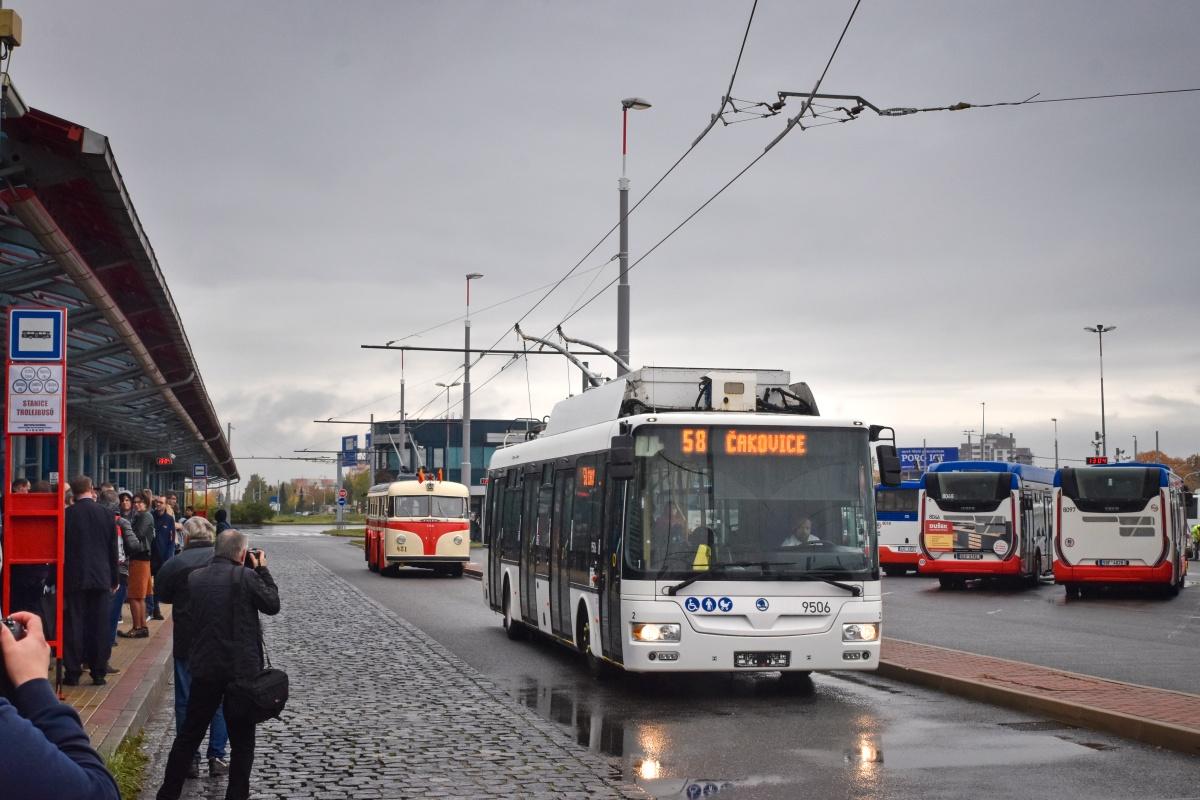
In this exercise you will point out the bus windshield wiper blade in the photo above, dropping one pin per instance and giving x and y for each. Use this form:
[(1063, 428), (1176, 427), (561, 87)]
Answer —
[(717, 568), (816, 576)]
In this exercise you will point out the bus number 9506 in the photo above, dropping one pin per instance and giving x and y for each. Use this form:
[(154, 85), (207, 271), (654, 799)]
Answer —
[(814, 607)]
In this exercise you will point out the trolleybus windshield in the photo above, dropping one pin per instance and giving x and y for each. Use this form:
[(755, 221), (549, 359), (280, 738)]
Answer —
[(752, 503), (968, 491)]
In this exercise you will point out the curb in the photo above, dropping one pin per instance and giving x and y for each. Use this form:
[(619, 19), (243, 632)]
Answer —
[(146, 696), (1142, 729), (472, 570)]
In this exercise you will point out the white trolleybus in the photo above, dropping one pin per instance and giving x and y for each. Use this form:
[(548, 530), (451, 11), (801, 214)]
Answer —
[(899, 528), (1120, 524), (986, 519), (691, 520), (418, 523)]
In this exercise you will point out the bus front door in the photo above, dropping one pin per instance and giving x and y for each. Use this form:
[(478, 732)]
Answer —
[(560, 535)]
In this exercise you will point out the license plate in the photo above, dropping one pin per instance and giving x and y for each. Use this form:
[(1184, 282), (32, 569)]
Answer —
[(1113, 562), (762, 659), (906, 548), (968, 556)]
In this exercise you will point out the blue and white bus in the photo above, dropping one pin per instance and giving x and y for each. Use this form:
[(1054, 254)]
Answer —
[(899, 527), (657, 529), (986, 519), (1120, 524)]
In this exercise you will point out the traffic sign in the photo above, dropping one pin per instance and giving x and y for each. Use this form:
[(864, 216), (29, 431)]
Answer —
[(342, 494), (199, 470), (35, 334), (341, 501)]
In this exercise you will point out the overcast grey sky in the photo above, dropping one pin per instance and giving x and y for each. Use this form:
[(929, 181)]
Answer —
[(317, 176)]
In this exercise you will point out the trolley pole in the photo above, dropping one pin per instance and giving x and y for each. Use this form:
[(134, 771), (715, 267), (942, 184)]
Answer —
[(466, 420)]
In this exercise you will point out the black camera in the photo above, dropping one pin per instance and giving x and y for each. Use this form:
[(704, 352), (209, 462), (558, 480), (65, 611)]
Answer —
[(14, 627), (18, 632), (255, 552)]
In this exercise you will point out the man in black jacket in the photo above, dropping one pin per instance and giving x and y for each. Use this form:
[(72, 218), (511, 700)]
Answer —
[(171, 586), (91, 575), (224, 600)]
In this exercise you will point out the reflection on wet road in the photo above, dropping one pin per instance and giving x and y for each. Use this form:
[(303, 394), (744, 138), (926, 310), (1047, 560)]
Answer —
[(838, 735)]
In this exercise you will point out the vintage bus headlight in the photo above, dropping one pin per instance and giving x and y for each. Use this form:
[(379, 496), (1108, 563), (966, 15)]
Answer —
[(860, 632), (458, 540), (655, 632), (399, 539)]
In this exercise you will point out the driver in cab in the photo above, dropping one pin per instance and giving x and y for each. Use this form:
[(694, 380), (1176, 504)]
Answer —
[(801, 534)]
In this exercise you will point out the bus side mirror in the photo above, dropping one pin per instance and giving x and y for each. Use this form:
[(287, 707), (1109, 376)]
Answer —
[(889, 465), (620, 458)]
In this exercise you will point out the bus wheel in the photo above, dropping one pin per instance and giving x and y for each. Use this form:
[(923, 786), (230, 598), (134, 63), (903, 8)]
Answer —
[(583, 635), (455, 570), (371, 565), (513, 628)]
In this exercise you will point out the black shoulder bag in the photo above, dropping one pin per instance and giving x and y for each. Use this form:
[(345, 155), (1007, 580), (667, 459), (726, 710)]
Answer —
[(263, 696)]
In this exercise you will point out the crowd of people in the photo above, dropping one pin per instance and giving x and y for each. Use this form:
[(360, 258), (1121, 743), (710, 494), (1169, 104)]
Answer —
[(136, 548)]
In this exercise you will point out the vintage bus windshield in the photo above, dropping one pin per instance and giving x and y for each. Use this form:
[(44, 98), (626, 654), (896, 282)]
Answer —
[(750, 503), (424, 505)]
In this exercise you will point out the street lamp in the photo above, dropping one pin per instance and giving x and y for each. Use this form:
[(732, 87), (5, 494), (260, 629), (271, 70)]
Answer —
[(1135, 448), (982, 430), (637, 104), (1100, 330), (466, 423), (1055, 421), (447, 387)]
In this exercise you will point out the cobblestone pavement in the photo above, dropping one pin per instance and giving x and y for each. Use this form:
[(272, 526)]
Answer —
[(378, 709)]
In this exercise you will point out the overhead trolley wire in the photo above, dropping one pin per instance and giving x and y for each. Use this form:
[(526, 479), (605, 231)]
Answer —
[(725, 100), (791, 124)]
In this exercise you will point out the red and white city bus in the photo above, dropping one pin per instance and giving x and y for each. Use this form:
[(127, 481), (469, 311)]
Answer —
[(1120, 524), (421, 523), (986, 519)]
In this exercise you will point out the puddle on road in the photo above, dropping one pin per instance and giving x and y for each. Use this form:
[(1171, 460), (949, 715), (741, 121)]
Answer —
[(657, 730)]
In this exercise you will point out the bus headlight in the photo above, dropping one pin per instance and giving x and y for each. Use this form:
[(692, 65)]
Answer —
[(399, 539), (860, 632), (458, 540), (656, 632)]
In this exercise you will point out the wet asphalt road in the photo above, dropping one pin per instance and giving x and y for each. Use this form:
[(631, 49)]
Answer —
[(845, 735), (1130, 635)]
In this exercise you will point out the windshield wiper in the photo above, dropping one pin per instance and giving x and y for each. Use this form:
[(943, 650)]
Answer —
[(816, 576), (766, 565), (700, 573)]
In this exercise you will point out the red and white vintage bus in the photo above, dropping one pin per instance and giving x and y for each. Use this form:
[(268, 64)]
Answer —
[(418, 523), (1120, 524)]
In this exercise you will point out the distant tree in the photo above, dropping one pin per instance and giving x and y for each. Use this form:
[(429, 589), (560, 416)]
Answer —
[(252, 513), (257, 489), (1189, 466), (284, 497)]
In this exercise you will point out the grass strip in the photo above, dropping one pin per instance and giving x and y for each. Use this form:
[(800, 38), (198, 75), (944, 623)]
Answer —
[(351, 532), (128, 766)]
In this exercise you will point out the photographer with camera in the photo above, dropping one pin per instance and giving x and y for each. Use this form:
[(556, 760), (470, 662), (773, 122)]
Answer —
[(44, 752), (224, 601)]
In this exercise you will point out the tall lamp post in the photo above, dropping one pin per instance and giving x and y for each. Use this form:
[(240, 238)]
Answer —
[(982, 430), (466, 423), (637, 104), (1100, 330), (1055, 421), (447, 387), (1135, 448)]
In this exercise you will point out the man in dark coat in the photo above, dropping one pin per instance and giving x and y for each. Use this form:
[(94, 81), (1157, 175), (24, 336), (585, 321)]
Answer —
[(172, 587), (224, 600), (91, 576)]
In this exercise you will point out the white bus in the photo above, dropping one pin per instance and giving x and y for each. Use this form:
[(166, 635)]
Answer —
[(685, 520), (417, 523), (899, 528), (1120, 524), (986, 519)]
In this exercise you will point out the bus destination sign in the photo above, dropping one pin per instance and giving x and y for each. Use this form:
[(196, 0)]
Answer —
[(733, 442)]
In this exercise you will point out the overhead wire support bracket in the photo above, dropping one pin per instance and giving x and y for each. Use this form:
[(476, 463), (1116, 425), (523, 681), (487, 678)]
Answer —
[(592, 378)]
